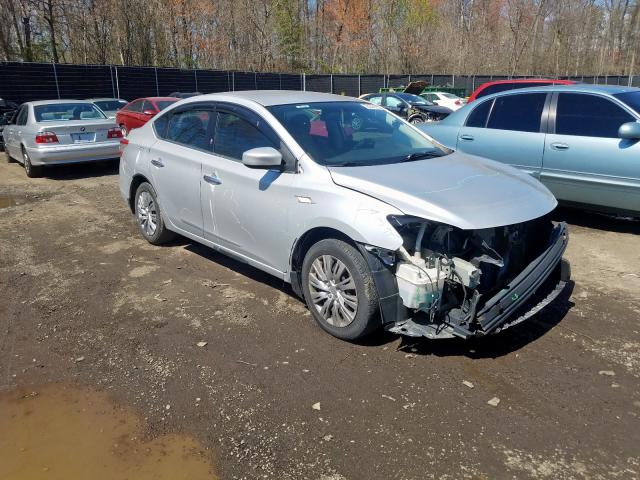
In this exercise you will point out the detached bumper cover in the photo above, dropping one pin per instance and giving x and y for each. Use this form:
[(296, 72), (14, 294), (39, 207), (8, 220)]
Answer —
[(533, 289)]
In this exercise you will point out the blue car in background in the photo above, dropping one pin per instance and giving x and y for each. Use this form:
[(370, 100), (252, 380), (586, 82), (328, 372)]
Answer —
[(581, 141)]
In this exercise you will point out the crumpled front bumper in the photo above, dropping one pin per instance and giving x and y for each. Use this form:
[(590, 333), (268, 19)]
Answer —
[(534, 288)]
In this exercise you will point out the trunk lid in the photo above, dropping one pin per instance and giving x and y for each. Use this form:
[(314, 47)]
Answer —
[(78, 131)]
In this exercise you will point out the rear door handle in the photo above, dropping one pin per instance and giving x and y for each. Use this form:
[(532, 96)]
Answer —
[(157, 162), (560, 146), (466, 137), (213, 180)]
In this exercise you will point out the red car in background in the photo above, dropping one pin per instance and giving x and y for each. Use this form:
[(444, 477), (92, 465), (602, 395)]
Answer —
[(502, 85), (138, 112)]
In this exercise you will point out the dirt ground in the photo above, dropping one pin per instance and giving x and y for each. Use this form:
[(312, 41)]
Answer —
[(86, 302)]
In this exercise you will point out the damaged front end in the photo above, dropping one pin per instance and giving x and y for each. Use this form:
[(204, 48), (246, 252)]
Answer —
[(447, 282)]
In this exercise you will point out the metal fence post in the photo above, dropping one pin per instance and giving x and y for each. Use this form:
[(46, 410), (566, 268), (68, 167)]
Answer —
[(304, 82), (117, 82), (55, 75), (233, 81), (431, 84), (113, 87), (195, 75), (155, 71), (255, 80), (453, 80), (331, 82), (359, 85)]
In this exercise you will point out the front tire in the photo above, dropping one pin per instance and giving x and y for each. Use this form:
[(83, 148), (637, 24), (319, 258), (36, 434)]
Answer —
[(339, 290), (149, 217), (31, 171)]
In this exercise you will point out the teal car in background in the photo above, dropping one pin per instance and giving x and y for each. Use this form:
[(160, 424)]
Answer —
[(581, 141)]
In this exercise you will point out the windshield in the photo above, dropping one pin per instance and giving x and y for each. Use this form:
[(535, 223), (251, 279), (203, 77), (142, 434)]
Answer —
[(415, 99), (55, 112), (110, 105), (632, 99), (162, 104), (352, 134)]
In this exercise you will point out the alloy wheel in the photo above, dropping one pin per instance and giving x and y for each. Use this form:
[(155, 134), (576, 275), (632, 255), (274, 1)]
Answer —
[(333, 291), (147, 213)]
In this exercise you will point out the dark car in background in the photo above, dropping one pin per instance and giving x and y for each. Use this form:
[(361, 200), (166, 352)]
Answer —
[(411, 107), (7, 111), (110, 106), (140, 111), (498, 86), (184, 94)]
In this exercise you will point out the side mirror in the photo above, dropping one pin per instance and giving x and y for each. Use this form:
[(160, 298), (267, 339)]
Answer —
[(630, 131), (149, 112), (263, 158)]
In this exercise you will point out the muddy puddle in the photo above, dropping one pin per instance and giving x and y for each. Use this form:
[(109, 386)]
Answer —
[(59, 432)]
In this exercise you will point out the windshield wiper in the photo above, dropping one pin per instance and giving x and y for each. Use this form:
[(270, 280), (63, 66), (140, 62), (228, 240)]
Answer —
[(419, 156)]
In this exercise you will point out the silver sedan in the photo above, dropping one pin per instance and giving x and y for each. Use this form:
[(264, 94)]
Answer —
[(370, 222), (57, 132)]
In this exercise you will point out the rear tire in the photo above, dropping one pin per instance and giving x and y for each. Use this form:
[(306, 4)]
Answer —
[(31, 171), (149, 216), (339, 290)]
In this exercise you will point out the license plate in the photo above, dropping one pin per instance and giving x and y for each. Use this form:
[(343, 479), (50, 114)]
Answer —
[(83, 137)]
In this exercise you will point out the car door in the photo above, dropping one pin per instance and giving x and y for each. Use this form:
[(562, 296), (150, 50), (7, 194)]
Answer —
[(133, 115), (14, 132), (584, 160), (176, 164), (245, 209), (396, 105), (508, 128)]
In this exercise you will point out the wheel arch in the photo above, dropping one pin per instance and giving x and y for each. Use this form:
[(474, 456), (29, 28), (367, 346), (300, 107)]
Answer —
[(136, 181), (302, 246)]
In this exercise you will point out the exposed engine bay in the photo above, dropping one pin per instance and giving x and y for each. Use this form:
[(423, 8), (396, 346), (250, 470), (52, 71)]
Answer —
[(447, 277)]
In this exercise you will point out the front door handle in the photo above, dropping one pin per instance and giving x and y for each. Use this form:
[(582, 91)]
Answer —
[(466, 136), (157, 162), (560, 146), (213, 180)]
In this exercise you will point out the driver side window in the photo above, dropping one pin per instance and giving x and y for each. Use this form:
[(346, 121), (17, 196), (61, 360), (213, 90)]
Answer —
[(235, 135)]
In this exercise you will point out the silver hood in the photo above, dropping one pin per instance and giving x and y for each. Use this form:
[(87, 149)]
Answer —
[(465, 191)]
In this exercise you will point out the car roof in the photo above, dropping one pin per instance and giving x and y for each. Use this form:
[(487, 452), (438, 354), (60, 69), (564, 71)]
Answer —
[(529, 80), (55, 102), (156, 99), (267, 98), (578, 87), (101, 99)]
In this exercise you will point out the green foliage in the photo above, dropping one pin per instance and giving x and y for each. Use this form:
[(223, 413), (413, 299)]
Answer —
[(289, 30)]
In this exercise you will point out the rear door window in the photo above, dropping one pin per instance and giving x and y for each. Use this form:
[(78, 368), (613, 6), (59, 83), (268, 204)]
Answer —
[(589, 116), (192, 128), (135, 106), (377, 99), (21, 117), (520, 112), (478, 117)]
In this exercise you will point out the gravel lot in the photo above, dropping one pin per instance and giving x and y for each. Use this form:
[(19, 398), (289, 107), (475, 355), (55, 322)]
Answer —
[(78, 282)]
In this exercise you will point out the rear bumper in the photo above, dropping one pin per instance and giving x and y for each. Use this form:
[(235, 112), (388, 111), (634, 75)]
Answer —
[(61, 154)]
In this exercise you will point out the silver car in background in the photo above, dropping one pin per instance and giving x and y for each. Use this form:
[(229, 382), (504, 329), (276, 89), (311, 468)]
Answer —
[(109, 106), (367, 219), (55, 132)]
